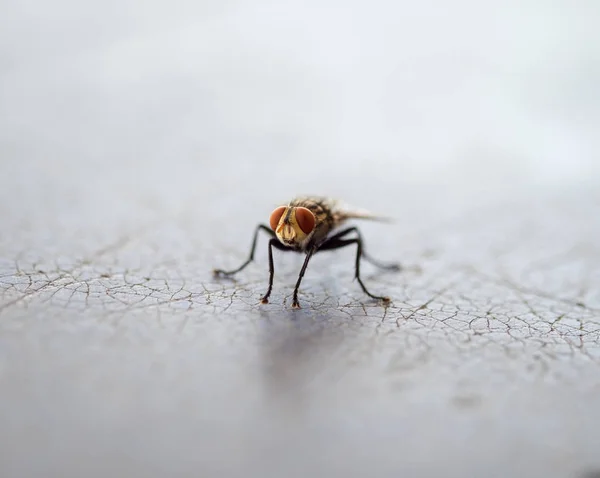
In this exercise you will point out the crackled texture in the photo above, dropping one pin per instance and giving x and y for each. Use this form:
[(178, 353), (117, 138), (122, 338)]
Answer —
[(140, 150)]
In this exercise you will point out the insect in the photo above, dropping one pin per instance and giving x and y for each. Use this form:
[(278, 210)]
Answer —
[(308, 225)]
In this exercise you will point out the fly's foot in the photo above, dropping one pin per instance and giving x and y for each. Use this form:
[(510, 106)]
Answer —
[(392, 267), (221, 273), (383, 298), (387, 266), (386, 300), (265, 298), (295, 303)]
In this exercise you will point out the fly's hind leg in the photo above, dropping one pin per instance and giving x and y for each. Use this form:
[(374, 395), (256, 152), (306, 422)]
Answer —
[(220, 272), (393, 266), (337, 243)]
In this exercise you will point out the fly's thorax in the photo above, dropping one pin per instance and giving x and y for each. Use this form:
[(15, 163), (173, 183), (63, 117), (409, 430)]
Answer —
[(293, 226)]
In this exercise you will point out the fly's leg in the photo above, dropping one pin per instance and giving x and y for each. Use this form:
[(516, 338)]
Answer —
[(219, 272), (295, 303), (337, 243), (272, 243), (368, 258), (388, 266)]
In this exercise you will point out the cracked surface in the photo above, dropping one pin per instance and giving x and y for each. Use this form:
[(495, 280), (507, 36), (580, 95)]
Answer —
[(125, 180)]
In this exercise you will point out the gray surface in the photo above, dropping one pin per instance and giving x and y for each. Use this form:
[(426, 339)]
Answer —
[(139, 148)]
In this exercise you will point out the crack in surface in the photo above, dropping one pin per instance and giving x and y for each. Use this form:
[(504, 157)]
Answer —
[(473, 306), (465, 332)]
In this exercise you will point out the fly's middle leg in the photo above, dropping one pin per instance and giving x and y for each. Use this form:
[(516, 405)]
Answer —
[(295, 303)]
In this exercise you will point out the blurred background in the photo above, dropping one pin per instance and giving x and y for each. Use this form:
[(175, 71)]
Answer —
[(141, 143), (187, 100)]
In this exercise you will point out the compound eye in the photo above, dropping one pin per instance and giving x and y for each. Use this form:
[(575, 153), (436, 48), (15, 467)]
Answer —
[(305, 219), (276, 216)]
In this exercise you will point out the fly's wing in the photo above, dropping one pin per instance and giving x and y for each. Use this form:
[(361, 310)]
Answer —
[(341, 216), (342, 212)]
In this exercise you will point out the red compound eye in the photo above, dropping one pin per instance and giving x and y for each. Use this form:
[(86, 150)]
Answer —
[(276, 216), (305, 219)]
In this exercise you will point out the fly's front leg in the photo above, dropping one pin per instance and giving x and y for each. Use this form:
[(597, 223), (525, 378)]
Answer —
[(219, 272), (336, 243), (295, 303), (272, 243)]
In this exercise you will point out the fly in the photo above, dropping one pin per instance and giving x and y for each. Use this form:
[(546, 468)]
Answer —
[(307, 225)]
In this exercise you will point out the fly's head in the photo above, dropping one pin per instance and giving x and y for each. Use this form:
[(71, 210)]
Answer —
[(293, 225)]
